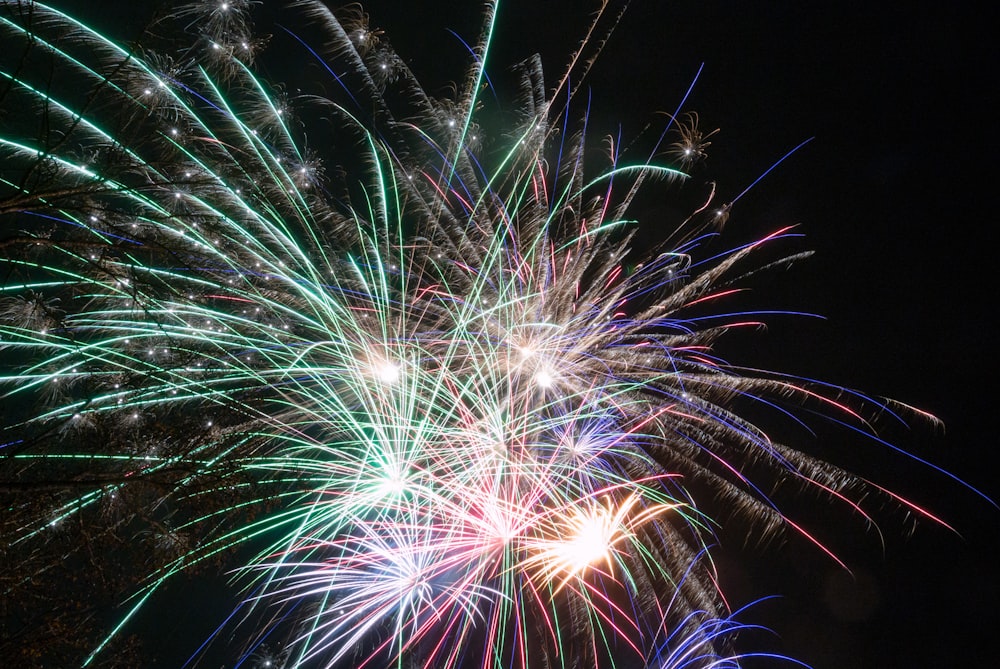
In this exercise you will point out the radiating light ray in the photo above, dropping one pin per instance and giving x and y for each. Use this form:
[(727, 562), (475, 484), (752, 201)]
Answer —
[(416, 394)]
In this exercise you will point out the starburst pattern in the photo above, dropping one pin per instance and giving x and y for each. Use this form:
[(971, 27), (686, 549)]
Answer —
[(406, 380)]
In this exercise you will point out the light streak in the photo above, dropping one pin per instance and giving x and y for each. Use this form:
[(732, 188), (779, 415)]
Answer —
[(430, 408)]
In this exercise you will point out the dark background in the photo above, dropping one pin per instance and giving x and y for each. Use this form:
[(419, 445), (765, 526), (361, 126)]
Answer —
[(895, 196)]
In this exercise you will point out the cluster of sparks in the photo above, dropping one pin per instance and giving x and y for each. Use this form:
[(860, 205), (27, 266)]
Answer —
[(447, 419)]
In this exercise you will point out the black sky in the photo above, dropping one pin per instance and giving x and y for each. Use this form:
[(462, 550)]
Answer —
[(895, 196)]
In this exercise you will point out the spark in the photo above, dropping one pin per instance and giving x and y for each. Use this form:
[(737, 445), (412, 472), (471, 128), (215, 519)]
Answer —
[(414, 390)]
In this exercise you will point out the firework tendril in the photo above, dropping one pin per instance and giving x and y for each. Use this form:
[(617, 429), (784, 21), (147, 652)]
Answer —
[(393, 364)]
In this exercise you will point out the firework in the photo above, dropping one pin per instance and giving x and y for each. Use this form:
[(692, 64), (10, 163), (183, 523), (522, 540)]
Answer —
[(397, 370)]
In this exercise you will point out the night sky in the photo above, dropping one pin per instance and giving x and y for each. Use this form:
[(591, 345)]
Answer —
[(894, 194)]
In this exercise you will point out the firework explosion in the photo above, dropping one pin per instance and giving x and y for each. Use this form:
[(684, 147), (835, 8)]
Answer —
[(393, 365)]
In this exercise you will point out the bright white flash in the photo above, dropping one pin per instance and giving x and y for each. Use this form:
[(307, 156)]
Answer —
[(544, 378), (590, 543), (387, 372)]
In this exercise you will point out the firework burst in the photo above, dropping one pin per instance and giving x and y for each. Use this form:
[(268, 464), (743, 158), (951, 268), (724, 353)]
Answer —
[(398, 370)]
